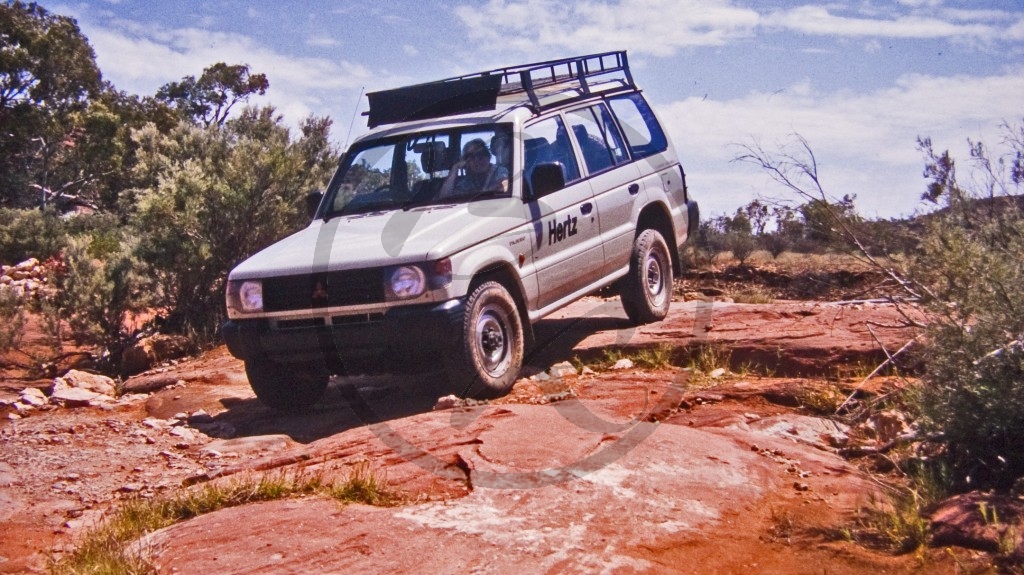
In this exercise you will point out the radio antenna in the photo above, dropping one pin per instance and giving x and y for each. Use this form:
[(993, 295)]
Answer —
[(355, 112)]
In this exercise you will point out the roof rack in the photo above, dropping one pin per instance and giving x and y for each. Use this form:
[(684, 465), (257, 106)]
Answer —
[(480, 91)]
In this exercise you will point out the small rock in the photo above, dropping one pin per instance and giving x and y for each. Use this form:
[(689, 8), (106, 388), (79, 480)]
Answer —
[(200, 417), (801, 486), (888, 425), (695, 296), (446, 402), (717, 373), (587, 371), (34, 397), (183, 432), (154, 423), (563, 369), (624, 363)]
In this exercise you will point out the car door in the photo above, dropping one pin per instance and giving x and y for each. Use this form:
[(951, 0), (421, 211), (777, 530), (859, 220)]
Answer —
[(569, 255), (616, 182)]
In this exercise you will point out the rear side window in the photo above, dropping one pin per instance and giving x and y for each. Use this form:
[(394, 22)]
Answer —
[(598, 138), (548, 141), (642, 131)]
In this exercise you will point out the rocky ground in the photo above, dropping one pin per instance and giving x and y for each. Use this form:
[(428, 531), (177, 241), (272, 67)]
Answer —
[(606, 457)]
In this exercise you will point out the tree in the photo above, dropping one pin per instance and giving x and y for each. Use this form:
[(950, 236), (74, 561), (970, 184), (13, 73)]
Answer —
[(216, 197), (209, 99), (48, 73)]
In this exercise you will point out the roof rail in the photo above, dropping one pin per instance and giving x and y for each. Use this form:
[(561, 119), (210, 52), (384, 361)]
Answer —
[(480, 91)]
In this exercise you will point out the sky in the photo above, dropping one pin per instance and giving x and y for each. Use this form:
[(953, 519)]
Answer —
[(859, 80)]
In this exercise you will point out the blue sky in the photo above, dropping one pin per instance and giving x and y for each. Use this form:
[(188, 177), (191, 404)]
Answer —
[(859, 80)]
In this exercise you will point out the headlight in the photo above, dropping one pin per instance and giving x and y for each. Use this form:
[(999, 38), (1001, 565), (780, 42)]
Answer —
[(245, 296), (406, 282)]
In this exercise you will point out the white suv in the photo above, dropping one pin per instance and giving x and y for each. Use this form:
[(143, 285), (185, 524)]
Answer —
[(474, 207)]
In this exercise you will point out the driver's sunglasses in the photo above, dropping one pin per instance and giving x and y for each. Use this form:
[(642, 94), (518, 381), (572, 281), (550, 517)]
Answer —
[(480, 155)]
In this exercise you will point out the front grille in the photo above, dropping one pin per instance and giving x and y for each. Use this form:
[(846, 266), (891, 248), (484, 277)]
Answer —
[(313, 291)]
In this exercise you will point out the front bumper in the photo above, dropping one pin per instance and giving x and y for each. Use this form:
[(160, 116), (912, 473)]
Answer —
[(399, 339)]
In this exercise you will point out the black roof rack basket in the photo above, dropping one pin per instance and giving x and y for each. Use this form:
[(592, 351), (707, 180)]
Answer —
[(480, 91)]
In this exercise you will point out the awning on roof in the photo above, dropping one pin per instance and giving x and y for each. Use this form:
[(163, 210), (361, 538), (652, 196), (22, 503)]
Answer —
[(434, 100)]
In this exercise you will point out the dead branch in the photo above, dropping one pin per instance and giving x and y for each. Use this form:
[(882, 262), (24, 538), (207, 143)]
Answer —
[(889, 359)]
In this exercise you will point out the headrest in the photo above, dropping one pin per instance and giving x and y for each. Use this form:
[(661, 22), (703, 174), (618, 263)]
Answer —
[(535, 150), (432, 156)]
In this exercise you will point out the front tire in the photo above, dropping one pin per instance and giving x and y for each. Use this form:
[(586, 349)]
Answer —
[(285, 389), (486, 361), (647, 289)]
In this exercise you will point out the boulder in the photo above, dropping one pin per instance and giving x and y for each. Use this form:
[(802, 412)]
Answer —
[(984, 521), (28, 265), (152, 350), (32, 396), (77, 397), (74, 379)]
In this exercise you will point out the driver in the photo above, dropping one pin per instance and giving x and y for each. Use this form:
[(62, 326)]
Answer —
[(480, 174)]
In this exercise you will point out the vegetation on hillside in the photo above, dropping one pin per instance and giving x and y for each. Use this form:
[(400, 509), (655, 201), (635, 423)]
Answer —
[(138, 202), (961, 264)]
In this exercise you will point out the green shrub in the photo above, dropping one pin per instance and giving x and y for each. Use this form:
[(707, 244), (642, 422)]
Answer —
[(30, 234), (969, 265), (99, 286), (219, 196), (12, 319)]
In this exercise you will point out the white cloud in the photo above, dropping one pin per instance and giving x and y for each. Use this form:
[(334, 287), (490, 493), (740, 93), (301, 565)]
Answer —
[(139, 58), (663, 27), (920, 3), (865, 143), (657, 27), (816, 20), (322, 41)]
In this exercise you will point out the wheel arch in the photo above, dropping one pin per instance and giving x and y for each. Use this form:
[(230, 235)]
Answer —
[(503, 273), (656, 216)]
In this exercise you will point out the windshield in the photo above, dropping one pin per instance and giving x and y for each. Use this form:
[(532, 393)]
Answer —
[(448, 166)]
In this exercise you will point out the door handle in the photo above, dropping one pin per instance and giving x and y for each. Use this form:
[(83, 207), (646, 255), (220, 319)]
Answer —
[(587, 208), (634, 189)]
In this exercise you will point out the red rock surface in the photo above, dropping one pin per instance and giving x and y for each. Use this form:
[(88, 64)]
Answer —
[(631, 471)]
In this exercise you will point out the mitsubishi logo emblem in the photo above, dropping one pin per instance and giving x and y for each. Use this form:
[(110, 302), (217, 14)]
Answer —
[(319, 292)]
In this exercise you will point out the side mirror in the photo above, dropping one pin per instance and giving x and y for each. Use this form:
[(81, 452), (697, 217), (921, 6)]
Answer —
[(313, 200), (546, 179)]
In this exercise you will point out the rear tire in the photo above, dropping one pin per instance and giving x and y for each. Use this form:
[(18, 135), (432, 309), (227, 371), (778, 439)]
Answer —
[(486, 361), (647, 289), (284, 388)]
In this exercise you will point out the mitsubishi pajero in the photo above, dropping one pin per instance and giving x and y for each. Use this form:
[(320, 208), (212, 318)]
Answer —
[(474, 207)]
